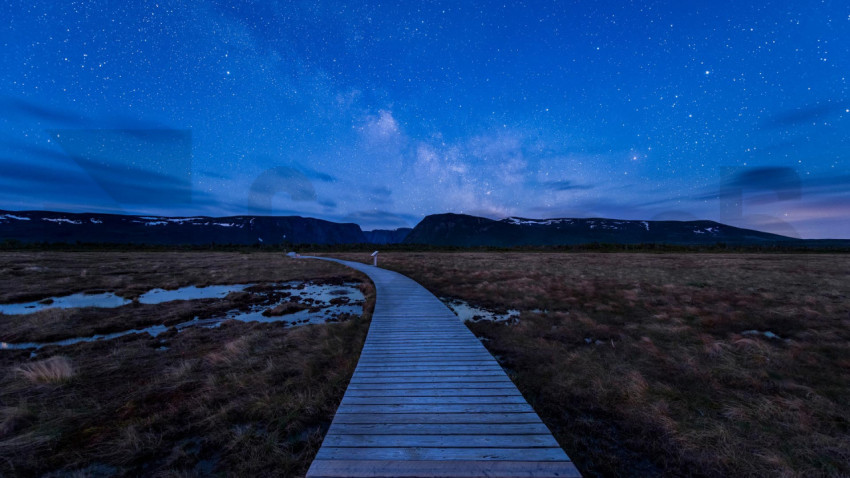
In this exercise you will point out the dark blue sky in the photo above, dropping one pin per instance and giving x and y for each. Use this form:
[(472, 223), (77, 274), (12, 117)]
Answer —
[(381, 113)]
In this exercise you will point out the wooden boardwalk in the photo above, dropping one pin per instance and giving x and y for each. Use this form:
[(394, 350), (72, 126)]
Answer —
[(428, 400)]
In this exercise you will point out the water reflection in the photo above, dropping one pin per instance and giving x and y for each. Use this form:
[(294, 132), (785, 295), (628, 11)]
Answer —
[(322, 303), (158, 296), (471, 313), (107, 299)]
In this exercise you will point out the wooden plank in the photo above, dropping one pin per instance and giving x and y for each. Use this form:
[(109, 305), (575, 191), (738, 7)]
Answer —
[(442, 454), (441, 441), (429, 373), (407, 385), (433, 345), (422, 337), (421, 349), (428, 469), (433, 418), (425, 356), (439, 429), (419, 376), (435, 367), (454, 381), (424, 367), (420, 340), (430, 353), (428, 325), (460, 343), (370, 362), (437, 408), (430, 363), (433, 332), (413, 399), (481, 352), (491, 391), (437, 344)]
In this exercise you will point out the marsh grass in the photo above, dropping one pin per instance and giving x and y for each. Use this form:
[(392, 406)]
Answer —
[(56, 369), (32, 276), (639, 363), (244, 399)]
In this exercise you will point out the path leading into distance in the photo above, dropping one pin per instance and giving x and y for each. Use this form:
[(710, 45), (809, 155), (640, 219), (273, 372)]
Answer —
[(428, 400)]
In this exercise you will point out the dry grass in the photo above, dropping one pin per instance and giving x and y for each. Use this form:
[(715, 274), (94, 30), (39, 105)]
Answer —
[(30, 276), (244, 399), (639, 363), (56, 369)]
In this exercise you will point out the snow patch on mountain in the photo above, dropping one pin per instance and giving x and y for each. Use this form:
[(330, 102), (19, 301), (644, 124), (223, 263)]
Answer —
[(519, 221), (12, 216), (61, 220)]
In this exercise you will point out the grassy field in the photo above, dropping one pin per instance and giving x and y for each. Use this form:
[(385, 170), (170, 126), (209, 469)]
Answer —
[(640, 364), (658, 364), (246, 399)]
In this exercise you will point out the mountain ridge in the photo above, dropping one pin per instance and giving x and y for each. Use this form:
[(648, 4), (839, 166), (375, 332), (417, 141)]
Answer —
[(447, 229), (461, 230), (51, 226)]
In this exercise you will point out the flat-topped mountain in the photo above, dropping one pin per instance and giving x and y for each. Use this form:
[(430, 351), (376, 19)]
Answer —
[(45, 226), (465, 231), (453, 230)]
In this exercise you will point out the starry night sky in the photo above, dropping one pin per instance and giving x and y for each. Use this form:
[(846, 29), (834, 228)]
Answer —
[(382, 113)]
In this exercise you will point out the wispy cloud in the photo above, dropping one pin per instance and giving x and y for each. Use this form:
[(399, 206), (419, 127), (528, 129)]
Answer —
[(318, 175), (37, 111), (50, 115), (380, 129), (564, 185), (806, 114)]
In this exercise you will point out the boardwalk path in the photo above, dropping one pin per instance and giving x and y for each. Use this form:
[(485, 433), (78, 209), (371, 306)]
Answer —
[(427, 399)]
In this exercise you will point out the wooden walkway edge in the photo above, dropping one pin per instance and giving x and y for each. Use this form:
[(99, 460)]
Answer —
[(428, 400)]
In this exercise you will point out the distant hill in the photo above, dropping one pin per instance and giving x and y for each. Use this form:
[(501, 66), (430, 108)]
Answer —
[(452, 230), (466, 231), (44, 226)]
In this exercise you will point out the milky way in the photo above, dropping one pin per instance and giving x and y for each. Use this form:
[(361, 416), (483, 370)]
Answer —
[(382, 113)]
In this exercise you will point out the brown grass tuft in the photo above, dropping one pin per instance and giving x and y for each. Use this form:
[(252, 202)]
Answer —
[(56, 369)]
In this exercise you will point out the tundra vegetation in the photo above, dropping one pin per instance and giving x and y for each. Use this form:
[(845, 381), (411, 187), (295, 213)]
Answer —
[(243, 399), (669, 364)]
